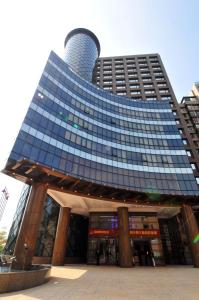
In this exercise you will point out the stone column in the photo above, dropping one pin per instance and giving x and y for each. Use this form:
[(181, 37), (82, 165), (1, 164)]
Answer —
[(26, 240), (125, 255), (192, 231), (61, 237)]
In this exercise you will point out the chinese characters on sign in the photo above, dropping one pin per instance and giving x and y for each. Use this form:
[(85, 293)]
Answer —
[(133, 232)]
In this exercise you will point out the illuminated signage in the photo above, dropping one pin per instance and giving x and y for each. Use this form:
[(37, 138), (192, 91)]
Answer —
[(132, 232), (102, 232), (144, 232)]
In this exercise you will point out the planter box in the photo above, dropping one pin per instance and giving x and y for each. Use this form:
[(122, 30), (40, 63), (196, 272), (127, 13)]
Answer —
[(20, 280)]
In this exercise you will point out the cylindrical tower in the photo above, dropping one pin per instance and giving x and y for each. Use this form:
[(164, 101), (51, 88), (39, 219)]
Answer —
[(82, 48)]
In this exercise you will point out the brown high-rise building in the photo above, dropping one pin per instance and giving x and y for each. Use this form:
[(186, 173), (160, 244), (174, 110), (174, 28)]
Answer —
[(103, 150), (190, 130), (139, 77), (195, 90)]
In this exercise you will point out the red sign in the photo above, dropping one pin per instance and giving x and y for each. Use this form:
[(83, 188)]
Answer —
[(101, 232), (133, 232)]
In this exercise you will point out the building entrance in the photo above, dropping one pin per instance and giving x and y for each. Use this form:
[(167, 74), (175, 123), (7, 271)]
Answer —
[(103, 251), (142, 252), (77, 239)]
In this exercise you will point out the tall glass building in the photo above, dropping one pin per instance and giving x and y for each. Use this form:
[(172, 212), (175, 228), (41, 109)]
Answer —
[(110, 179)]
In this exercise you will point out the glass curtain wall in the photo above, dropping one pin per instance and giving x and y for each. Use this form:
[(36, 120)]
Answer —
[(47, 230), (14, 230)]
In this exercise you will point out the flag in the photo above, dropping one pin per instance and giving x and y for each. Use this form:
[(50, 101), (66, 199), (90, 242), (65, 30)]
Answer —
[(5, 192)]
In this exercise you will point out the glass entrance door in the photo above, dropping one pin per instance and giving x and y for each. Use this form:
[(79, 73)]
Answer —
[(142, 252), (105, 248)]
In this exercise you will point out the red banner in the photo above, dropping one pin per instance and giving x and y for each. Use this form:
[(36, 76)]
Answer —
[(101, 232), (133, 232)]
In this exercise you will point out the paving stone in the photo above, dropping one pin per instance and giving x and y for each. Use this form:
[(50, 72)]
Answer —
[(82, 282)]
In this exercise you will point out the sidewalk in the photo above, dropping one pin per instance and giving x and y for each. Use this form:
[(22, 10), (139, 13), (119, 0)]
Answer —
[(82, 282)]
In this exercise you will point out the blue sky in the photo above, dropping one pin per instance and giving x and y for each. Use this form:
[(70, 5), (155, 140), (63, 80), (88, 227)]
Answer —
[(30, 29)]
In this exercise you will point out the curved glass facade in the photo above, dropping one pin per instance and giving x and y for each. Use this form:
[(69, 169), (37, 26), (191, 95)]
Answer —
[(85, 132), (81, 51)]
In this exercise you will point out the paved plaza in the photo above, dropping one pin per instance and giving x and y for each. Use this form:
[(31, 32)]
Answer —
[(82, 282)]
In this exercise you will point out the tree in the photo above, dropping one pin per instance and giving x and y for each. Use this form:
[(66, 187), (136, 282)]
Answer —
[(2, 239)]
